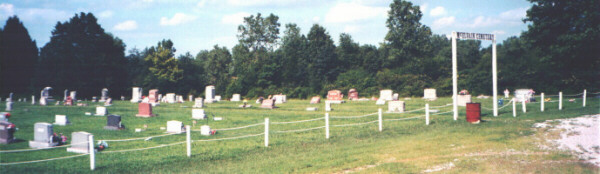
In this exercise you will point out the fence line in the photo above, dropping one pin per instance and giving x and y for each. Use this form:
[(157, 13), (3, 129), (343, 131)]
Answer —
[(300, 121), (26, 150), (441, 106), (140, 138), (36, 161), (491, 109), (235, 128), (350, 117), (300, 130), (398, 119), (230, 138), (355, 124), (406, 111), (146, 148)]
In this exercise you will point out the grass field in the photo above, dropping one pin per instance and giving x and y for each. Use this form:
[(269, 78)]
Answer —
[(502, 144)]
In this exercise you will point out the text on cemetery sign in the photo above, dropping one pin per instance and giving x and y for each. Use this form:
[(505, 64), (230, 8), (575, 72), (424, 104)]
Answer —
[(476, 36)]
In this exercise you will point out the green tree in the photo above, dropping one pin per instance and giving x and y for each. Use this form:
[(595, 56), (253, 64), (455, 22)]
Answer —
[(193, 75), (407, 39), (259, 33), (567, 33), (294, 57), (348, 52), (163, 66), (322, 65), (18, 58), (218, 67), (82, 56)]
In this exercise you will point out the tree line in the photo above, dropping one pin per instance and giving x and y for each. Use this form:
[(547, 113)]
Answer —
[(558, 52)]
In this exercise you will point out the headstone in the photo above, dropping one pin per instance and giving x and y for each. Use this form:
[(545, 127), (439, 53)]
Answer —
[(9, 106), (268, 103), (395, 97), (279, 99), (198, 114), (113, 122), (66, 94), (217, 98), (386, 95), (4, 116), (327, 105), (190, 98), (104, 95), (312, 109), (73, 95), (94, 99), (122, 98), (42, 136), (136, 95), (235, 98), (380, 102), (80, 142), (10, 97), (429, 94), (199, 103), (352, 94), (61, 120), (108, 102), (315, 100), (174, 126), (335, 96), (32, 99), (462, 100), (506, 93), (217, 118), (396, 106), (7, 131), (100, 111), (209, 94), (205, 130), (523, 95), (69, 101), (170, 97), (160, 97), (145, 110), (180, 99)]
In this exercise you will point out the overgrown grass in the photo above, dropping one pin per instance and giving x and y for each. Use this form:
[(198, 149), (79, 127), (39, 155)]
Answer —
[(407, 146)]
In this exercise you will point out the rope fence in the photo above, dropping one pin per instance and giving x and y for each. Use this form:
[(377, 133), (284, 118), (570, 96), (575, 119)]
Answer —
[(351, 117)]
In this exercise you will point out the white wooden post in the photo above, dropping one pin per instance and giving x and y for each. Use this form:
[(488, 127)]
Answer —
[(560, 100), (380, 121), (514, 107), (92, 151), (454, 77), (189, 141), (266, 132), (542, 103), (584, 96), (426, 113), (524, 104), (327, 125), (495, 76)]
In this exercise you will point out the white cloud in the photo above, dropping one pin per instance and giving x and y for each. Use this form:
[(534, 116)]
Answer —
[(234, 19), (106, 14), (203, 3), (498, 32), (126, 26), (316, 19), (31, 14), (482, 21), (178, 18), (438, 11), (351, 29), (255, 3), (424, 8), (350, 12), (514, 14), (147, 0), (443, 22), (7, 10)]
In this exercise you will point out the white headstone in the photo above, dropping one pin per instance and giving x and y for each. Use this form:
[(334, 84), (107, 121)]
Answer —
[(190, 98), (42, 136), (279, 99), (462, 100), (136, 95), (104, 95), (235, 98), (61, 120), (170, 97), (386, 95), (9, 106), (429, 94), (174, 126), (73, 95), (100, 111), (380, 102), (80, 142), (327, 105), (209, 94), (395, 96), (396, 106), (205, 130), (217, 98), (199, 103), (198, 114), (311, 109), (32, 99)]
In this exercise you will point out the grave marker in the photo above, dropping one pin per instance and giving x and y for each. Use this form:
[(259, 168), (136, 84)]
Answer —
[(145, 110), (235, 98), (198, 114), (429, 94), (80, 142), (268, 103), (136, 94), (386, 94), (42, 136), (315, 100), (335, 96), (199, 103), (174, 126), (209, 94), (73, 95), (396, 106), (352, 94), (113, 122), (104, 95), (61, 120), (7, 130), (100, 111), (462, 100)]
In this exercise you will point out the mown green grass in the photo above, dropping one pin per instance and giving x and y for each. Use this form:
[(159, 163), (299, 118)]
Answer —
[(407, 146)]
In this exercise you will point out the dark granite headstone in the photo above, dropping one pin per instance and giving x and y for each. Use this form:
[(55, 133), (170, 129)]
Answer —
[(7, 129), (113, 122)]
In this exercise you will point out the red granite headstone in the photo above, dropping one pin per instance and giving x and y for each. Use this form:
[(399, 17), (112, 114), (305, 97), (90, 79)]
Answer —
[(268, 103), (145, 110), (315, 100), (335, 95), (153, 96), (352, 94)]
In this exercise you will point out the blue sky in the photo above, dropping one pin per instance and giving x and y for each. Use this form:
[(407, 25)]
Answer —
[(198, 25)]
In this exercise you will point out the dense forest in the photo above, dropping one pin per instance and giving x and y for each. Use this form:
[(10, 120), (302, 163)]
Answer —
[(559, 52)]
